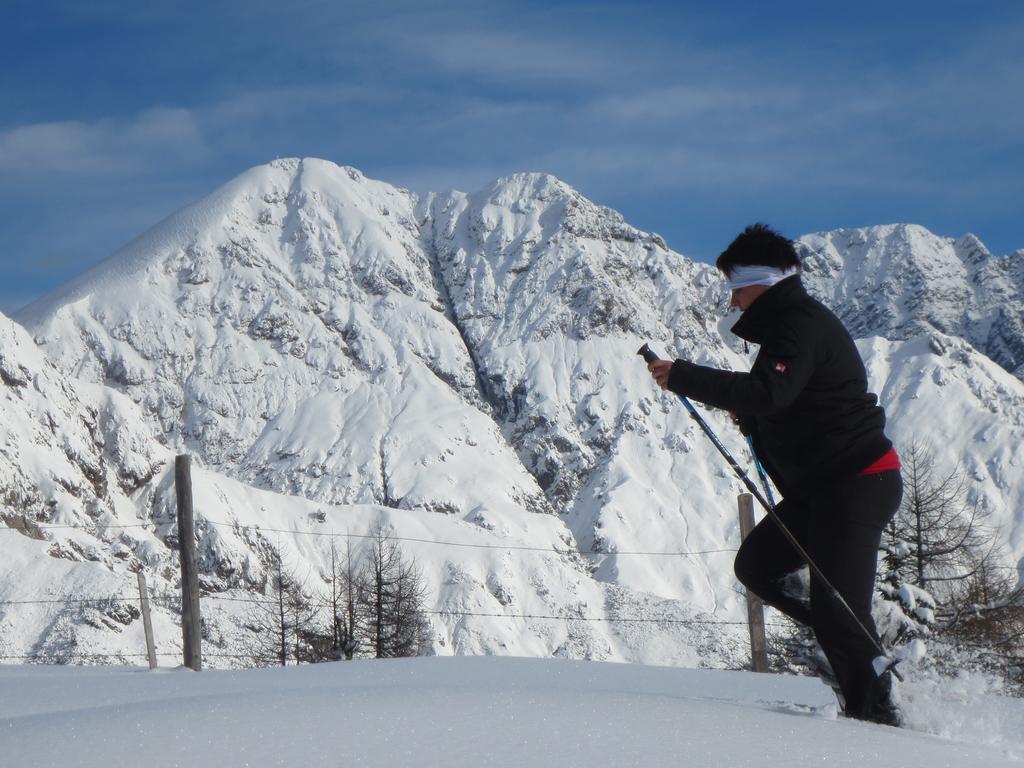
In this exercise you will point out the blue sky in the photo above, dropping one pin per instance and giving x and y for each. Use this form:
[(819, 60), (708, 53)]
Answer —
[(692, 119)]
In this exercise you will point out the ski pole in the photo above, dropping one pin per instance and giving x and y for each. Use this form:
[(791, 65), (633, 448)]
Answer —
[(760, 472), (649, 356)]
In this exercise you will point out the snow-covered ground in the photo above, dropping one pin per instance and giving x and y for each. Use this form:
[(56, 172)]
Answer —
[(482, 711)]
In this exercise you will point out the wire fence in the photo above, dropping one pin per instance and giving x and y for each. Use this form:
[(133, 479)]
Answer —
[(169, 600), (121, 656), (173, 602), (332, 534)]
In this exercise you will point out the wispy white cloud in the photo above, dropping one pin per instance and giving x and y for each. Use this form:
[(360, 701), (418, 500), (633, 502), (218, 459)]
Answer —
[(627, 115), (253, 105), (974, 91), (684, 101), (507, 55), (150, 139), (538, 46)]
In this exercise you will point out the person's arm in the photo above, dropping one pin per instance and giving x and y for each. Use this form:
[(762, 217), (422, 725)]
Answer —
[(781, 371)]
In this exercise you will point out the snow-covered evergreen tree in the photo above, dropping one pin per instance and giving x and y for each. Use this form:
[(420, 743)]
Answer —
[(948, 599)]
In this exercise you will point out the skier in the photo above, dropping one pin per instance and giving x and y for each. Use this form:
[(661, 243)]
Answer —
[(821, 437)]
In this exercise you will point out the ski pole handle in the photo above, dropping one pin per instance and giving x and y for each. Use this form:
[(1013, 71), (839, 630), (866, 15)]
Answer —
[(648, 354)]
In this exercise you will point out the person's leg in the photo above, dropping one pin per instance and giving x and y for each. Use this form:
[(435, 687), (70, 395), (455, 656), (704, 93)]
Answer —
[(844, 533), (766, 559)]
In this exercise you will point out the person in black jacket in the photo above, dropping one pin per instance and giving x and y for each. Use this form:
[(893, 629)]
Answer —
[(821, 437)]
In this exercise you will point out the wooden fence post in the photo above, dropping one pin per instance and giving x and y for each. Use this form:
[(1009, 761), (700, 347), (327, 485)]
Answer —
[(147, 622), (755, 608), (191, 622)]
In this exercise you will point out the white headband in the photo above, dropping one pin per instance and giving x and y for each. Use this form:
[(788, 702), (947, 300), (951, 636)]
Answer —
[(743, 276)]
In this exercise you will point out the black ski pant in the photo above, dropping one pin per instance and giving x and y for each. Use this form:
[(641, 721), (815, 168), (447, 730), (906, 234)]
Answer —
[(840, 526)]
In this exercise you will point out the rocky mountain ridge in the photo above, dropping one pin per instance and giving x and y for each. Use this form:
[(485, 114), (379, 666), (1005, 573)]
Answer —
[(901, 280)]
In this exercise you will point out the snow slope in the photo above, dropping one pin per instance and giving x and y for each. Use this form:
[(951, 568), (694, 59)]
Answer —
[(69, 451), (966, 410), (72, 456), (470, 712), (496, 585), (494, 588)]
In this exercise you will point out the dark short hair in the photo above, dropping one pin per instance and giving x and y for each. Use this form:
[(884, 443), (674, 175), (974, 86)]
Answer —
[(758, 245)]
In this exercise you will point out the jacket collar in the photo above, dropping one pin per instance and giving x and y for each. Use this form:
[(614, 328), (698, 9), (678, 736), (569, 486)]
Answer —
[(761, 315)]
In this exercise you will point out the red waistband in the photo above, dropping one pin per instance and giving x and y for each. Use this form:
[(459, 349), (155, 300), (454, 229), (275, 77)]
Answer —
[(889, 460)]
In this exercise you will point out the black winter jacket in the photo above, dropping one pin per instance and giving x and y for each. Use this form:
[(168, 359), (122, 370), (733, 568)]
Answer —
[(805, 400)]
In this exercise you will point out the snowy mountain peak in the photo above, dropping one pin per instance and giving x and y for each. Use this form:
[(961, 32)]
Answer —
[(295, 202), (521, 188), (901, 280)]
